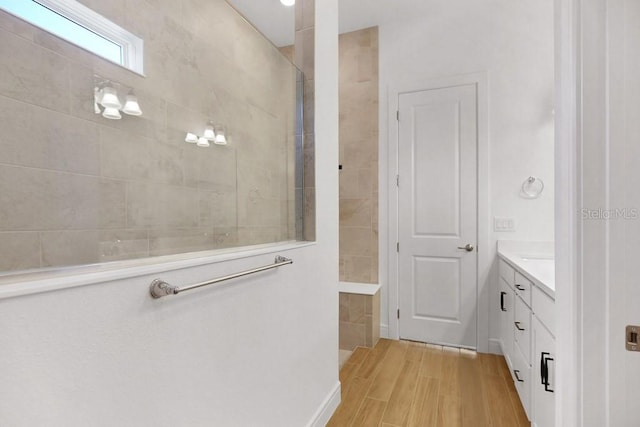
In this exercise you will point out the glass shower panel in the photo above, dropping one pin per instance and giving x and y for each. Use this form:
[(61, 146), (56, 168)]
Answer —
[(78, 187)]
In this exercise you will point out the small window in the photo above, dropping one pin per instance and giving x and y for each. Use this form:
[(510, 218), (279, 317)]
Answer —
[(83, 27)]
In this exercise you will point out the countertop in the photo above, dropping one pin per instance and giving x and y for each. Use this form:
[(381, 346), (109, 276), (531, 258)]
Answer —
[(534, 260)]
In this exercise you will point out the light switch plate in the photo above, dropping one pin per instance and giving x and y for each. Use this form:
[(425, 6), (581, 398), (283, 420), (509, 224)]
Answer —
[(504, 224)]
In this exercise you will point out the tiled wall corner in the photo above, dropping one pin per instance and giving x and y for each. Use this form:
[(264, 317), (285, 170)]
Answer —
[(359, 156), (359, 320)]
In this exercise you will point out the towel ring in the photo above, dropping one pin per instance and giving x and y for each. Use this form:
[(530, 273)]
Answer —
[(532, 187)]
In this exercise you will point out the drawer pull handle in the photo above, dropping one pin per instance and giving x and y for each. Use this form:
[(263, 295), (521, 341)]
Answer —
[(544, 371), (520, 288), (502, 294), (518, 326), (516, 373)]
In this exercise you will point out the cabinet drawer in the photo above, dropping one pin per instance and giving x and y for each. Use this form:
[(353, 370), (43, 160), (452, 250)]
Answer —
[(522, 328), (506, 272), (523, 288), (544, 309), (521, 374)]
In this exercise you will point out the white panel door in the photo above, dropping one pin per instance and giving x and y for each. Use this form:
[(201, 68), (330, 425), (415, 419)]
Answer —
[(437, 277)]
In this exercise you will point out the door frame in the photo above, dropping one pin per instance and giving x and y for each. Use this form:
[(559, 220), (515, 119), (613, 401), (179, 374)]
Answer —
[(484, 251)]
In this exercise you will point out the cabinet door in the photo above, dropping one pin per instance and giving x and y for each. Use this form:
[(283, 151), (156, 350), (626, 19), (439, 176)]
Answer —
[(544, 368), (522, 328), (505, 308)]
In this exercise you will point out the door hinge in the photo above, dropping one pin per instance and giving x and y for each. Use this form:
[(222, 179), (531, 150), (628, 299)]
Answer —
[(397, 246), (398, 313), (397, 180), (398, 115)]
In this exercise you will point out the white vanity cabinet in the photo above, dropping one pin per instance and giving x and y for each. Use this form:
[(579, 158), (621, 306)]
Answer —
[(544, 359), (527, 330), (506, 310)]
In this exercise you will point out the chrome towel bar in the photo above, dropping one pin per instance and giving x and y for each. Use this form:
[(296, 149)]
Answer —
[(159, 288)]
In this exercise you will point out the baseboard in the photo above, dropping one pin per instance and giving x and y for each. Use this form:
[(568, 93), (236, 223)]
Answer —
[(326, 410), (384, 331), (494, 346)]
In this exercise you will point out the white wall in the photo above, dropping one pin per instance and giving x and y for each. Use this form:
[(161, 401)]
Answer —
[(262, 351), (512, 42)]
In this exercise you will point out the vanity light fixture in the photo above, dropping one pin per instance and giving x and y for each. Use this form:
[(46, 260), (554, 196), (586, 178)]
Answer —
[(203, 142), (220, 138), (191, 138), (111, 113), (105, 94), (209, 133), (288, 2), (109, 98), (215, 134), (131, 106)]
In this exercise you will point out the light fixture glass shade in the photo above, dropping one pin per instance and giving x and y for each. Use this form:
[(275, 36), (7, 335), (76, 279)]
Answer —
[(131, 106), (209, 133), (288, 2), (110, 98), (203, 142), (191, 138), (111, 113), (220, 138)]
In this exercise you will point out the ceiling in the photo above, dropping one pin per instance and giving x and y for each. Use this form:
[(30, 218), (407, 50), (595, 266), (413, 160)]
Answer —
[(277, 22)]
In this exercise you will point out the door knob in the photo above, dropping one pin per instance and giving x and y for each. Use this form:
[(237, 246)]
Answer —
[(468, 247)]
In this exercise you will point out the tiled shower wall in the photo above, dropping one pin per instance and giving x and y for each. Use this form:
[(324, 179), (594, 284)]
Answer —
[(76, 188), (359, 156)]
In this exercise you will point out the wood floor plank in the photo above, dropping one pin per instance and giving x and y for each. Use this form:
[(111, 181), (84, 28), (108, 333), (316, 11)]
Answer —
[(431, 364), (403, 392), (415, 351), (347, 373), (516, 404), (450, 374), (472, 391), (371, 364), (424, 405), (410, 384), (370, 413), (501, 415), (390, 368), (359, 354), (490, 364), (449, 410), (353, 398)]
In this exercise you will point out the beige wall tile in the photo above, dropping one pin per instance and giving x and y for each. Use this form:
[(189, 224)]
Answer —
[(355, 241), (40, 138), (355, 212), (32, 199), (19, 251), (70, 247), (358, 269), (123, 244), (343, 311), (156, 205), (356, 308), (33, 74), (351, 335), (165, 242)]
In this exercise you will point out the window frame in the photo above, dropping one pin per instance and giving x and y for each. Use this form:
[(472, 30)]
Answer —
[(132, 46)]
